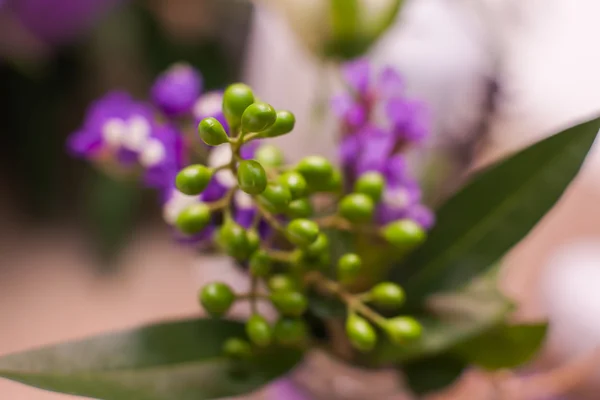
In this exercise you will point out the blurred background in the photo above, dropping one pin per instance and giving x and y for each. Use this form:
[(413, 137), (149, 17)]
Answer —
[(81, 253)]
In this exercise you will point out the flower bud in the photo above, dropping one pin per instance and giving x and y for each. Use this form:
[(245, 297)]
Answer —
[(295, 183), (281, 282), (237, 348), (403, 329), (252, 177), (360, 332), (371, 184), (318, 247), (234, 240), (283, 124), (275, 198), (258, 117), (357, 207), (193, 219), (316, 170), (212, 132), (236, 99), (269, 155), (290, 331), (192, 180), (387, 295), (216, 298), (259, 331), (301, 208), (348, 267), (302, 232), (260, 264), (289, 303), (404, 234)]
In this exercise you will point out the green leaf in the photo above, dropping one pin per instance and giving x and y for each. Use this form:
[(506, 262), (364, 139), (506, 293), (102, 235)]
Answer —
[(433, 374), (506, 346), (497, 209), (177, 360)]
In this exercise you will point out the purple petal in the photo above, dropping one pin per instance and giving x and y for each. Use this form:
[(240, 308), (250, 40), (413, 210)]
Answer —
[(84, 144), (214, 191), (421, 215), (389, 83), (396, 169), (126, 157), (376, 146), (357, 75), (176, 90), (249, 149), (349, 149), (285, 389), (244, 217)]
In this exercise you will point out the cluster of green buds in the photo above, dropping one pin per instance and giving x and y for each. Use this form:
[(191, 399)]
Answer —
[(284, 272)]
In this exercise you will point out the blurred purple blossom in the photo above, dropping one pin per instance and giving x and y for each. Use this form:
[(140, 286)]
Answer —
[(176, 90)]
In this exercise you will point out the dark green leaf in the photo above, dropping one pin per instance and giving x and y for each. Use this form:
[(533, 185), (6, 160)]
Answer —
[(506, 346), (433, 374), (169, 361), (497, 209)]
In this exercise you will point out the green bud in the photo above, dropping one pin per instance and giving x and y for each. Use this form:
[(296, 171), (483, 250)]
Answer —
[(236, 99), (283, 124), (216, 298), (403, 329), (316, 170), (234, 240), (348, 267), (387, 295), (290, 331), (259, 331), (252, 177), (258, 117), (269, 156), (371, 184), (212, 132), (295, 183), (260, 264), (237, 348), (302, 232), (404, 233), (253, 242), (192, 180), (289, 303), (318, 247), (193, 219), (281, 283), (357, 207), (301, 208), (275, 198), (335, 182), (360, 332)]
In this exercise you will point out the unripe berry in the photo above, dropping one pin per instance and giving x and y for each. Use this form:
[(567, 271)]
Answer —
[(236, 99), (318, 247), (403, 329), (371, 184), (259, 331), (295, 183), (316, 170), (290, 331), (283, 124), (357, 208), (275, 198), (335, 182), (260, 264), (348, 267), (192, 180), (301, 208), (302, 232), (193, 219), (387, 295), (258, 117), (404, 234), (237, 348), (234, 240), (252, 177), (281, 283), (360, 332), (253, 242), (212, 132), (217, 298), (269, 156), (289, 303)]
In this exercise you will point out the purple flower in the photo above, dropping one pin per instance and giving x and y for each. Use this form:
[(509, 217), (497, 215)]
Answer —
[(285, 389), (176, 90)]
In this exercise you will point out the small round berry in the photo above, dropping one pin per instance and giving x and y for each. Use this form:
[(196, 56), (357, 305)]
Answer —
[(387, 295), (404, 234), (237, 348), (302, 232), (290, 331), (193, 219), (290, 303), (275, 198), (295, 183), (283, 124), (348, 267), (357, 207), (402, 329), (269, 156), (252, 177), (371, 184), (301, 208), (316, 170), (258, 117), (335, 182), (216, 298), (192, 180), (281, 283), (318, 247), (236, 99), (361, 333), (260, 264), (234, 240), (253, 242), (259, 331), (212, 132)]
